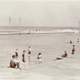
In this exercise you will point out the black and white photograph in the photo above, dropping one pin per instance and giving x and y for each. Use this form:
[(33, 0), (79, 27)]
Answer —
[(39, 39)]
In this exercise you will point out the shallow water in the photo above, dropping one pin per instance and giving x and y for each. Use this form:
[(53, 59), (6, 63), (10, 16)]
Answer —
[(51, 45)]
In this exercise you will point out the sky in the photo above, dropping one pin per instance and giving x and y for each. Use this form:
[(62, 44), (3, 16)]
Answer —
[(55, 13)]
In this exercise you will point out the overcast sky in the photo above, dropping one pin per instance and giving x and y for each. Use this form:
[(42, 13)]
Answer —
[(64, 13)]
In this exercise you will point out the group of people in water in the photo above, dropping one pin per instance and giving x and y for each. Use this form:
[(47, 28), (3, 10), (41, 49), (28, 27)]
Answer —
[(65, 52), (15, 61)]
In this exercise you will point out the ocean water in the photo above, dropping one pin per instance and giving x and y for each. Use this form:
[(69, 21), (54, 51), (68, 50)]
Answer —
[(50, 45)]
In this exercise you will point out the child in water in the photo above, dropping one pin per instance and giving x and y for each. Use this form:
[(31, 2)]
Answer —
[(73, 50), (39, 57), (12, 62), (23, 56), (29, 54), (65, 54), (16, 53)]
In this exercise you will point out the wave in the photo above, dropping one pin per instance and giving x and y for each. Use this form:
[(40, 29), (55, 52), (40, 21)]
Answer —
[(39, 31)]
